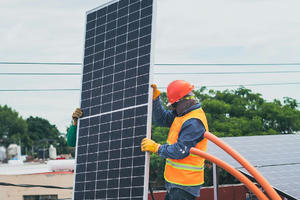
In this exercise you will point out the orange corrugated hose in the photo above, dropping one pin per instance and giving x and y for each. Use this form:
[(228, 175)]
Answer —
[(241, 177), (247, 165)]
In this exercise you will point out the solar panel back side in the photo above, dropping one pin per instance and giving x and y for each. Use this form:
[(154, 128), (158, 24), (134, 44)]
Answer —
[(116, 102)]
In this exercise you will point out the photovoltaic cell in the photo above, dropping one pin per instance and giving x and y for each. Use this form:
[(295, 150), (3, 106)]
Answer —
[(115, 102)]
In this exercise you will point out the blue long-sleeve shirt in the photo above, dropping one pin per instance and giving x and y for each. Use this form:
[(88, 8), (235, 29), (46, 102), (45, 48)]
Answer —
[(190, 134)]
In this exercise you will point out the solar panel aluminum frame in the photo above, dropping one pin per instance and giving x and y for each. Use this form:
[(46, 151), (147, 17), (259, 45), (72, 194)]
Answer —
[(150, 95)]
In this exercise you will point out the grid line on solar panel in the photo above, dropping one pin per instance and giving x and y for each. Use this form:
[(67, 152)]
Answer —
[(89, 125), (115, 93), (127, 114), (137, 73), (123, 10), (123, 18), (126, 92), (143, 60), (144, 32), (111, 27), (115, 84), (133, 47)]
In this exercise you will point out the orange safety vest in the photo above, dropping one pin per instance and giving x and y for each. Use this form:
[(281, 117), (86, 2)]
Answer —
[(190, 170)]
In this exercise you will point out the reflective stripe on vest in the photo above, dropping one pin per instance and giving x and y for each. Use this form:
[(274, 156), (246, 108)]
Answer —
[(188, 171), (184, 166)]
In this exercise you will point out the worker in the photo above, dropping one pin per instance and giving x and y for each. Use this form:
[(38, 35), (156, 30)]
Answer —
[(184, 172), (71, 135)]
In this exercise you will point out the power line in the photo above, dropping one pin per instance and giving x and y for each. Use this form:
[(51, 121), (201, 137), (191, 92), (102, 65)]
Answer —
[(198, 73), (255, 84), (38, 63), (76, 89), (39, 90), (39, 74), (159, 73), (243, 85), (158, 64), (225, 64)]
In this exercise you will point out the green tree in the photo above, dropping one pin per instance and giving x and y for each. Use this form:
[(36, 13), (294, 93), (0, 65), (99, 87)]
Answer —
[(12, 127), (32, 133), (42, 133)]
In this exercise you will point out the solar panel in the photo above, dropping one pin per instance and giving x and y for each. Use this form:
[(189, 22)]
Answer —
[(116, 102), (276, 157), (284, 178)]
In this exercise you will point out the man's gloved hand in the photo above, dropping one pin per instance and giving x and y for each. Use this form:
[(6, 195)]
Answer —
[(156, 92), (76, 115), (149, 145)]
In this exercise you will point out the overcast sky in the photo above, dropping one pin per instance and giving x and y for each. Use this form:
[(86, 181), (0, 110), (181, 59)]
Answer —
[(192, 31)]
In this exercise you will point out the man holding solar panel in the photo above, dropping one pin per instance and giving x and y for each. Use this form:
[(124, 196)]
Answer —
[(184, 172)]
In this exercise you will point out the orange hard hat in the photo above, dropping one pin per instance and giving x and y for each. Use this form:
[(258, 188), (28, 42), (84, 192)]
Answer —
[(178, 89)]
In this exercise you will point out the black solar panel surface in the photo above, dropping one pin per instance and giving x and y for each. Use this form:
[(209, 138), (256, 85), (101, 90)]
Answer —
[(276, 157), (115, 102)]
